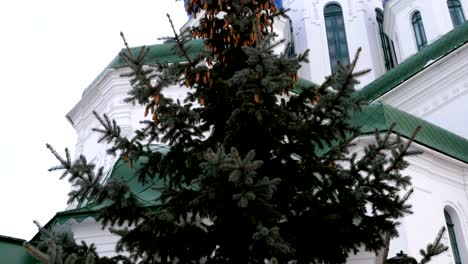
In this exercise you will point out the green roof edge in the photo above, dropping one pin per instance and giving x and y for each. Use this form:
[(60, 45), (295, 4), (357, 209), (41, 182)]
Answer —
[(13, 252), (430, 135), (18, 241), (163, 53), (437, 50), (69, 214)]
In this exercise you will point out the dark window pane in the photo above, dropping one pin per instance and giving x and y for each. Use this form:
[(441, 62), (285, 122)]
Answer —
[(419, 32), (456, 12), (292, 46), (339, 21), (453, 238), (388, 49), (336, 35)]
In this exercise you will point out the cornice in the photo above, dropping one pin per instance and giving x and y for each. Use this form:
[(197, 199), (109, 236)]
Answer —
[(391, 10), (432, 164), (369, 139), (440, 170), (434, 87), (389, 22), (88, 96), (399, 5), (99, 96)]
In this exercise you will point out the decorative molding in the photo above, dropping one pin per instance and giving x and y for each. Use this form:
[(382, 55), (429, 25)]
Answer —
[(316, 14), (432, 164), (350, 10), (422, 189), (434, 87)]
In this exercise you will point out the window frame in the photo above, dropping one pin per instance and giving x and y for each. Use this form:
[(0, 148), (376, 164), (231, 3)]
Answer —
[(387, 44), (335, 29), (418, 30), (456, 12), (452, 237), (291, 51)]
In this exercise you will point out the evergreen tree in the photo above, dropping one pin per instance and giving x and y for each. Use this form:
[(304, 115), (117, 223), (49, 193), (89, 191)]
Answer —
[(253, 172)]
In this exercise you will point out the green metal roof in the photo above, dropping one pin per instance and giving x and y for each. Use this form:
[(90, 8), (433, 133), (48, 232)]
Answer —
[(380, 117), (158, 53), (303, 84), (146, 193), (164, 53), (416, 63), (12, 251), (161, 53)]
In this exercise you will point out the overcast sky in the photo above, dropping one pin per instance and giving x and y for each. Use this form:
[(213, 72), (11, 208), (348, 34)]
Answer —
[(50, 50)]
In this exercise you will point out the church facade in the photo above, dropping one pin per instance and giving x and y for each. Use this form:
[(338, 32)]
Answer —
[(417, 51)]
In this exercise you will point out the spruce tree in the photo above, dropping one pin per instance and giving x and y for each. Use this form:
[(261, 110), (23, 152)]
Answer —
[(256, 169)]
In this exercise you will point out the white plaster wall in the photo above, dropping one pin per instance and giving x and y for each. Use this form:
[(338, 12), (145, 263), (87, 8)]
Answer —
[(363, 257), (435, 16), (453, 116), (91, 232), (375, 44), (300, 17), (309, 29), (281, 28), (107, 97), (438, 94), (438, 181)]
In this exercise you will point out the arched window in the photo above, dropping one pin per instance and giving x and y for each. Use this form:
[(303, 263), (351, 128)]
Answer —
[(292, 46), (419, 32), (387, 43), (456, 12), (336, 35), (453, 237)]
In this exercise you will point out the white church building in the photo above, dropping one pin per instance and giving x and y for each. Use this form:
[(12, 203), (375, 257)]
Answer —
[(418, 53)]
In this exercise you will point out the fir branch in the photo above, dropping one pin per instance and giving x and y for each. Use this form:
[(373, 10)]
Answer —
[(126, 44), (274, 189), (433, 249), (403, 150), (179, 43), (42, 257)]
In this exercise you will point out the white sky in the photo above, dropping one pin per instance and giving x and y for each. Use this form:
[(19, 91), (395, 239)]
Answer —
[(50, 51)]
